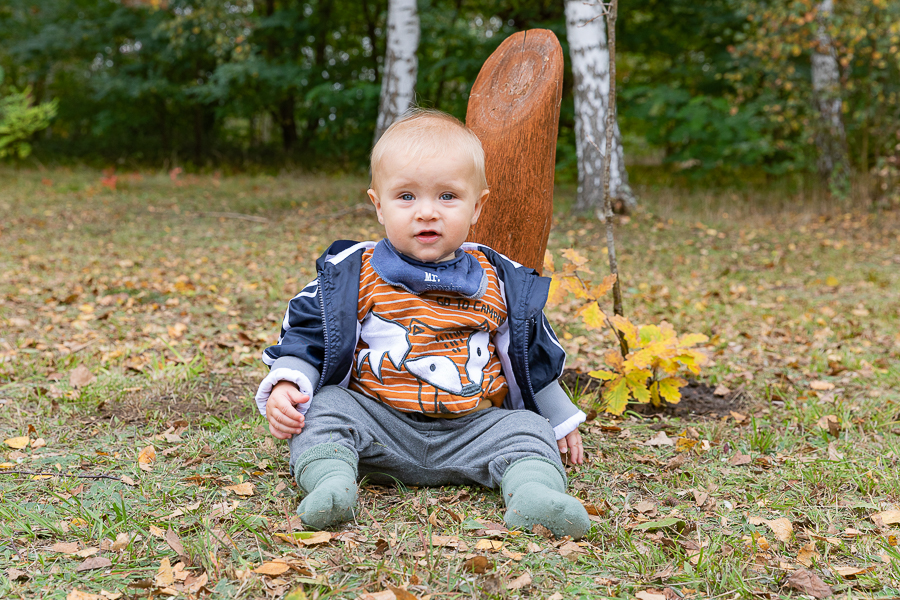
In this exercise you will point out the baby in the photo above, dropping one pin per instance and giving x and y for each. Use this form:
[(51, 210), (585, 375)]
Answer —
[(423, 358)]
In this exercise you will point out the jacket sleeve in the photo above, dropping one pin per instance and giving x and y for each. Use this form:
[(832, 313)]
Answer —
[(546, 360), (299, 354)]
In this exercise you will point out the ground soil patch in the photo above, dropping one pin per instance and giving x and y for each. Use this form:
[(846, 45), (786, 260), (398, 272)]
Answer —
[(697, 398)]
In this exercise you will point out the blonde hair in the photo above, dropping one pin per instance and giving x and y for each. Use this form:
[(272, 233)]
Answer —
[(427, 132)]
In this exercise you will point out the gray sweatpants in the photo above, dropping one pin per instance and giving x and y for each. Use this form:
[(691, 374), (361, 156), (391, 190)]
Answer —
[(416, 449)]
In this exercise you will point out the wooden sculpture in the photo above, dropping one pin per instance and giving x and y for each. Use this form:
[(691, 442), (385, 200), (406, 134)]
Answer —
[(514, 111)]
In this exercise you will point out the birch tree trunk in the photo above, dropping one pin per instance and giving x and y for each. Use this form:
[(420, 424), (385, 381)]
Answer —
[(398, 82), (831, 140), (589, 53)]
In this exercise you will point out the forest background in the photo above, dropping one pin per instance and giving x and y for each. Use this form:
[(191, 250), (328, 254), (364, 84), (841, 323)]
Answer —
[(720, 90)]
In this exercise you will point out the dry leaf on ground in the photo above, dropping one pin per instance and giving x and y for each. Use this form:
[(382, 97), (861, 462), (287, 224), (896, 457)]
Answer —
[(738, 459), (165, 575), (489, 545), (477, 564), (17, 443), (272, 569), (660, 439), (174, 542), (519, 582), (65, 547), (241, 489), (821, 386), (79, 595), (80, 377), (808, 582), (650, 595), (383, 595), (851, 572), (887, 517), (147, 456), (95, 562)]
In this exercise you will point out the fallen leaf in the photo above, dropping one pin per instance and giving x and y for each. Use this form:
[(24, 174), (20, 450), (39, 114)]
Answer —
[(38, 443), (79, 595), (650, 595), (90, 551), (147, 455), (738, 459), (556, 596), (16, 574), (721, 390), (95, 562), (477, 564), (675, 522), (851, 572), (807, 554), (80, 377), (542, 531), (489, 545), (174, 542), (157, 531), (127, 480), (17, 443), (241, 489), (122, 541), (808, 582), (887, 517), (833, 453), (311, 538), (519, 582), (831, 424), (400, 593), (660, 439), (383, 595), (65, 547), (110, 595), (821, 386), (272, 569), (782, 529), (571, 549), (165, 575)]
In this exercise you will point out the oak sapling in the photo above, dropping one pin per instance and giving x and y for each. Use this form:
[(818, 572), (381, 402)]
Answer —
[(651, 369)]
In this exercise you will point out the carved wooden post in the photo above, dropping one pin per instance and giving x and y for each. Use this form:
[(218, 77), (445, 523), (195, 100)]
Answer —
[(514, 111)]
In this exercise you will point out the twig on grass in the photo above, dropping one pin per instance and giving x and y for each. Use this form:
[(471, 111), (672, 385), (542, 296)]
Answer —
[(61, 475)]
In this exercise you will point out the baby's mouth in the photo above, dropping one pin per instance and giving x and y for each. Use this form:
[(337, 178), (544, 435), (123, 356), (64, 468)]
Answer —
[(427, 236)]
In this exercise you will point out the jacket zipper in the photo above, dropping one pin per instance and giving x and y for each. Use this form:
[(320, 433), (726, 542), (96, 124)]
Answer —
[(530, 387), (322, 379)]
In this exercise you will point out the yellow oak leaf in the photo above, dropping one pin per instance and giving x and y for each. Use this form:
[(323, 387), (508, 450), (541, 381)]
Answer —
[(604, 286), (592, 316), (616, 396), (670, 389)]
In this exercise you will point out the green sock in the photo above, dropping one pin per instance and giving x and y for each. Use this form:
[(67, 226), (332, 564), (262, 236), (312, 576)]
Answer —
[(330, 486), (534, 492)]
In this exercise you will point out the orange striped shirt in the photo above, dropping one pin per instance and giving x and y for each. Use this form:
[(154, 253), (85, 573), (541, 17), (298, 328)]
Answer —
[(431, 353)]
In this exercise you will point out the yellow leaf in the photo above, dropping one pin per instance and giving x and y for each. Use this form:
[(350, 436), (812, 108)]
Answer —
[(669, 389), (573, 257), (692, 339), (147, 455), (548, 262), (832, 281), (489, 545), (604, 286), (613, 358), (616, 396), (17, 443), (559, 289), (628, 329), (592, 316), (637, 385), (654, 394), (604, 375), (650, 333)]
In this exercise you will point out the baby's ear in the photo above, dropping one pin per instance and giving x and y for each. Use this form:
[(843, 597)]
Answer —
[(479, 204), (373, 196)]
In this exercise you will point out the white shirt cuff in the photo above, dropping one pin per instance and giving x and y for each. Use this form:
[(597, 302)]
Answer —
[(282, 374), (569, 425)]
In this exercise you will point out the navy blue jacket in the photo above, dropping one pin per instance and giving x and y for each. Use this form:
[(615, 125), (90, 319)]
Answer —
[(320, 332)]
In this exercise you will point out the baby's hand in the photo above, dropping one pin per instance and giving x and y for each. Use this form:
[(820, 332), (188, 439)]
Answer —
[(284, 419), (570, 449)]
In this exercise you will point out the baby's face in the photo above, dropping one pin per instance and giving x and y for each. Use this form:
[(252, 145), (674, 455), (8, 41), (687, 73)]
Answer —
[(427, 205)]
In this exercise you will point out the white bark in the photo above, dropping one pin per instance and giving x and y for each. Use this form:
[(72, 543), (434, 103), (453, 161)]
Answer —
[(398, 82), (831, 140), (589, 53)]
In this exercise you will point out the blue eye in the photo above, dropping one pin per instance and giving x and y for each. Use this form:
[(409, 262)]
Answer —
[(447, 196), (406, 197)]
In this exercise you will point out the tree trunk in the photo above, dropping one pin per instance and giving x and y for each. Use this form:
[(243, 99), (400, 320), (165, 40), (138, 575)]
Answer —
[(398, 82), (590, 66), (831, 140)]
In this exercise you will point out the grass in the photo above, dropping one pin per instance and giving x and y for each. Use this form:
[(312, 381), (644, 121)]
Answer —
[(167, 291)]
